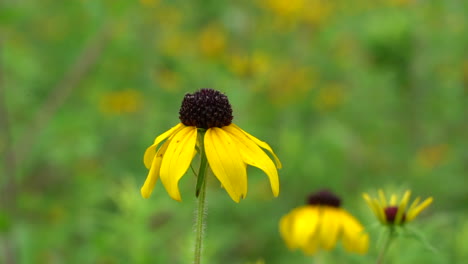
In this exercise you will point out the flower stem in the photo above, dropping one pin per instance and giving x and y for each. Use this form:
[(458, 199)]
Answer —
[(386, 246), (201, 210)]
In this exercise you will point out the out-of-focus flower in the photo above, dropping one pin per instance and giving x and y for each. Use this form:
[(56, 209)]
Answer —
[(285, 8), (173, 44), (289, 82), (320, 224), (167, 79), (121, 102), (249, 66), (168, 17), (317, 11), (212, 41), (432, 156), (206, 127), (149, 3), (390, 212), (294, 11), (330, 97)]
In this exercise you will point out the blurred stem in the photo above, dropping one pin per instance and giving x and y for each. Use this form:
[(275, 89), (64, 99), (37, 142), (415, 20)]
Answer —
[(386, 246), (201, 214)]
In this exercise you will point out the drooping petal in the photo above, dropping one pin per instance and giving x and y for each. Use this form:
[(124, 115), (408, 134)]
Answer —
[(354, 237), (329, 227), (153, 173), (285, 227), (418, 209), (151, 150), (253, 155), (304, 227), (177, 159), (262, 144), (226, 163)]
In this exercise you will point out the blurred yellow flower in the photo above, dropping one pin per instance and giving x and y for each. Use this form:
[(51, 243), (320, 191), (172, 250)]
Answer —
[(285, 8), (289, 82), (432, 156), (149, 3), (212, 41), (167, 79), (317, 11), (206, 127), (293, 11), (320, 224), (329, 97), (121, 102), (390, 212), (249, 66)]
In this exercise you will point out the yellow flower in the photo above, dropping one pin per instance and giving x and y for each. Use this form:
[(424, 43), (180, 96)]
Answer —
[(229, 149), (389, 212), (320, 224)]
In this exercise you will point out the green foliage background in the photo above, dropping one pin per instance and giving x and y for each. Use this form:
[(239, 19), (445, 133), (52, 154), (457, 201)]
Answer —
[(352, 95)]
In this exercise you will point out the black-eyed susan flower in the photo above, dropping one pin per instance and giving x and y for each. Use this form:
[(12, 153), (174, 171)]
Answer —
[(206, 121), (320, 224), (392, 212)]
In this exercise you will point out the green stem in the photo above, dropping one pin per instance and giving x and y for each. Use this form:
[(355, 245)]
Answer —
[(386, 246), (201, 194)]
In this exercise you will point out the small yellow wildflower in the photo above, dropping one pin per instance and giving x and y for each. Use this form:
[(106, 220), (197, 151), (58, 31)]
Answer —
[(390, 212), (229, 149), (320, 224)]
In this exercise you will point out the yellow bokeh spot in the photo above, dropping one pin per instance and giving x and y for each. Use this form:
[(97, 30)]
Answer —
[(212, 41), (249, 66), (289, 83), (121, 102), (167, 79), (329, 97), (149, 3), (430, 157)]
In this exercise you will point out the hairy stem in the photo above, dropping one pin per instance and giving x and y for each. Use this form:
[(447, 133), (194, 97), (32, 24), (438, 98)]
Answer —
[(201, 209)]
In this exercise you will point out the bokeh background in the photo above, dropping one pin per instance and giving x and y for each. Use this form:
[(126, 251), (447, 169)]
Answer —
[(352, 95)]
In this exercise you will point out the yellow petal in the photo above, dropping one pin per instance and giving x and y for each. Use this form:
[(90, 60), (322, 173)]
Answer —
[(177, 159), (374, 206), (393, 200), (383, 200), (414, 203), (226, 163), (262, 144), (304, 227), (153, 173), (151, 150), (354, 237), (285, 227), (253, 155), (418, 209), (329, 227), (380, 211), (402, 207)]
